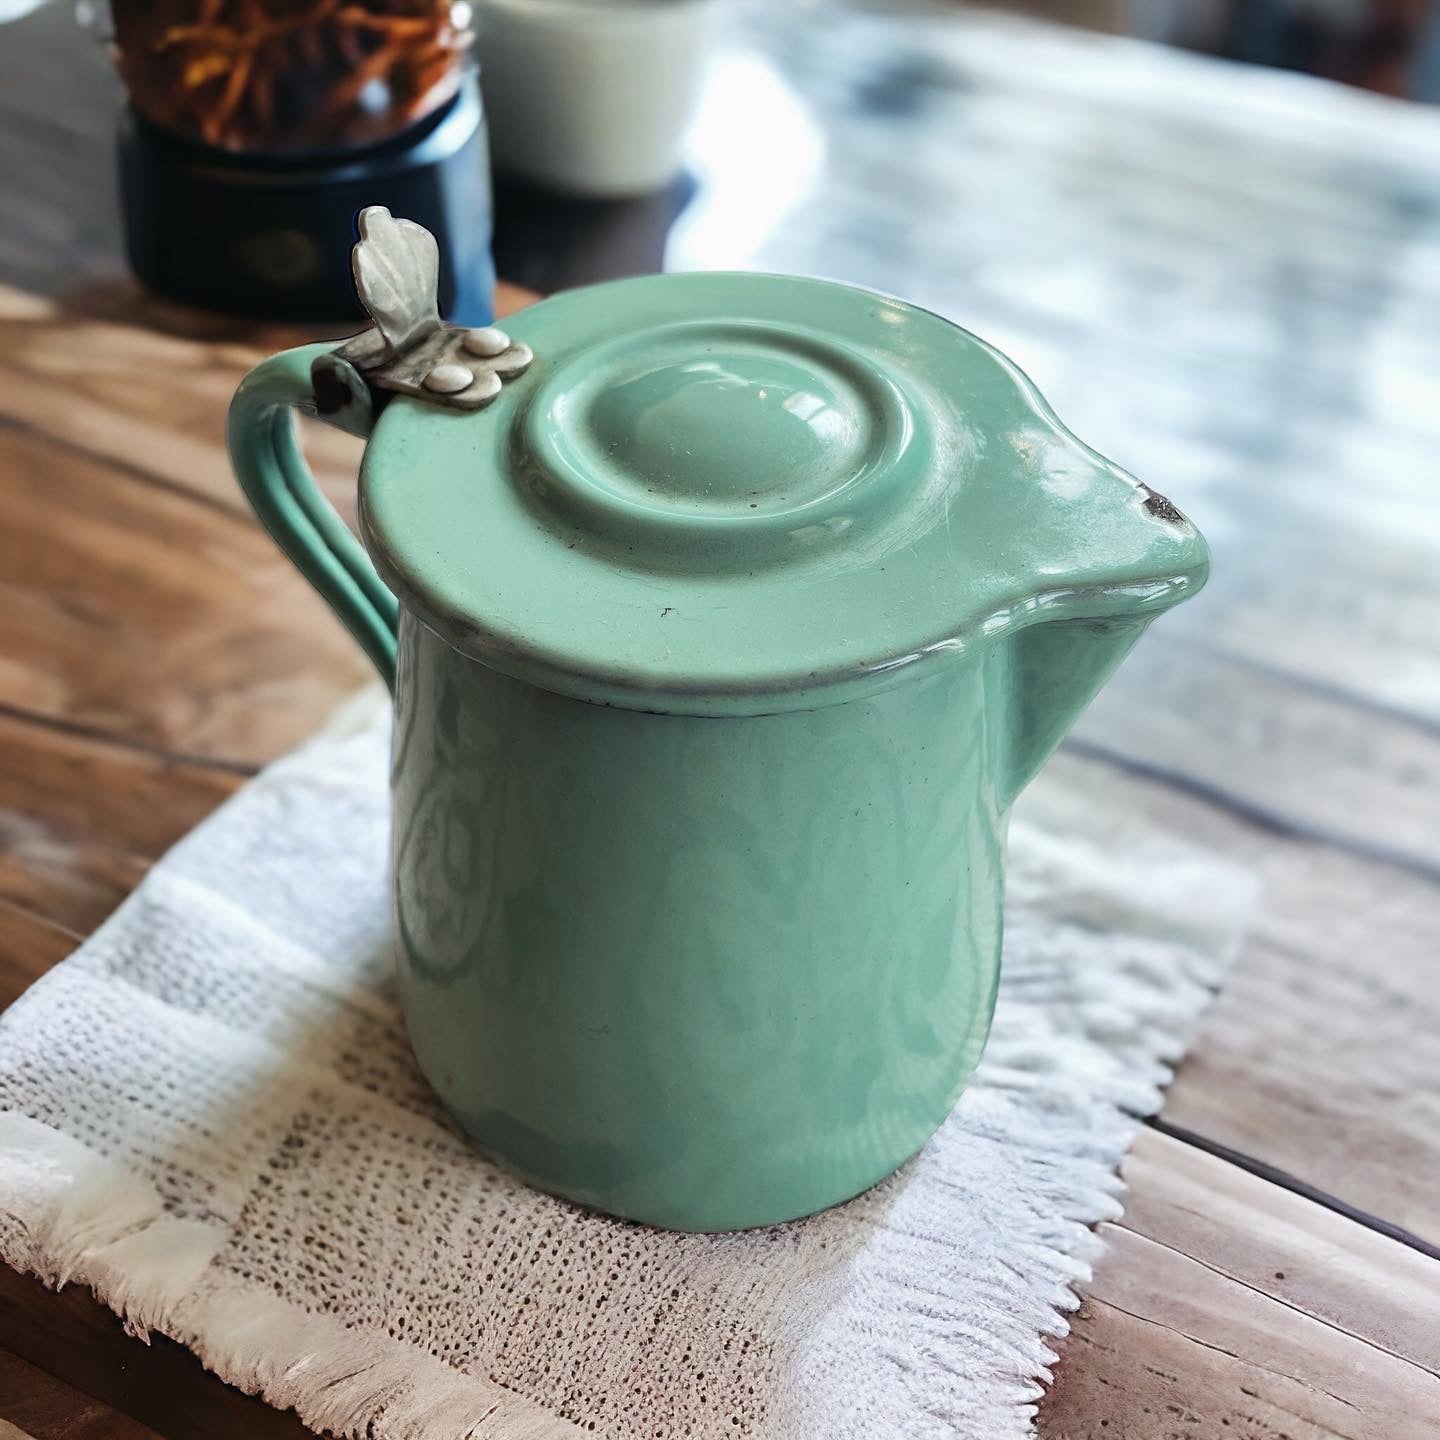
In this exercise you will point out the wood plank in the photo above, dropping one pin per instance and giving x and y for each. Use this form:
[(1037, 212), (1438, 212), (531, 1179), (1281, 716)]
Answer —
[(1360, 618), (1315, 764), (38, 1406), (29, 945), (1225, 1308), (81, 820), (155, 387), (1319, 1055), (1343, 1274), (169, 427), (159, 1384), (138, 614)]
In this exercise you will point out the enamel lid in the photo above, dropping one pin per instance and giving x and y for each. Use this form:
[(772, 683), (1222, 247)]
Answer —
[(737, 493)]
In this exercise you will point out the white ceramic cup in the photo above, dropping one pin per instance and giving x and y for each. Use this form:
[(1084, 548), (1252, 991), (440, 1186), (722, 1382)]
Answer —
[(590, 96)]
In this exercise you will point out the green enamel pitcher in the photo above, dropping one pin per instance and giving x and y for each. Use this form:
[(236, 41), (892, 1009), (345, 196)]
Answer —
[(725, 615)]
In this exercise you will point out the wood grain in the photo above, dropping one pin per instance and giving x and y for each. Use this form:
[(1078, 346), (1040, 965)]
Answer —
[(82, 817), (29, 945), (1241, 1227), (169, 430), (1311, 763), (1226, 1308), (152, 612), (157, 380), (1320, 1054)]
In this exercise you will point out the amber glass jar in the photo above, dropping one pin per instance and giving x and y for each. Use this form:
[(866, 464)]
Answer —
[(275, 76)]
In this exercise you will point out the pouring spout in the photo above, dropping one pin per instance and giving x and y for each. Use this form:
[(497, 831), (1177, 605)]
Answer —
[(1057, 663)]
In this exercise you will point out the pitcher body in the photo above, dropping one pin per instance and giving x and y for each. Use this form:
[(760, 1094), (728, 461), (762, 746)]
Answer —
[(706, 973)]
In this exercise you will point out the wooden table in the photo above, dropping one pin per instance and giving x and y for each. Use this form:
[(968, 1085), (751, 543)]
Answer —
[(1227, 280)]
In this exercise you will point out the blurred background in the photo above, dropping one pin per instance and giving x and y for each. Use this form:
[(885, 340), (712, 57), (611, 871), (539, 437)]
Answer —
[(1384, 45), (307, 104)]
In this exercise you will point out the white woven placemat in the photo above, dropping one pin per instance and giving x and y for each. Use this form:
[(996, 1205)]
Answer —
[(212, 1119)]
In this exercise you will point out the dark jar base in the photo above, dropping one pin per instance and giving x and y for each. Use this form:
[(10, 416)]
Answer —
[(270, 236)]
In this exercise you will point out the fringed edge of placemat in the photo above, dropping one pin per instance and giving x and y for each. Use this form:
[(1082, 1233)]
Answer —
[(70, 1216)]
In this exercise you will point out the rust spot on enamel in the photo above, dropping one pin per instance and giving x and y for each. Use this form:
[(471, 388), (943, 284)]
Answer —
[(1163, 509)]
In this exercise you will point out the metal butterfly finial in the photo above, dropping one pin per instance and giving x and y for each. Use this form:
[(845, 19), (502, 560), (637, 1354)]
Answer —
[(410, 349)]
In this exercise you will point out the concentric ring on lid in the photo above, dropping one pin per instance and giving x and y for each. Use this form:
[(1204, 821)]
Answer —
[(737, 433)]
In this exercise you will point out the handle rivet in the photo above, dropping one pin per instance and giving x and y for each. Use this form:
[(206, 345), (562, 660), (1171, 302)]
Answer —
[(487, 341), (448, 379)]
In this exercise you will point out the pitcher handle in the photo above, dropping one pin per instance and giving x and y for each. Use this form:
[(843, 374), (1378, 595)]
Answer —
[(267, 460)]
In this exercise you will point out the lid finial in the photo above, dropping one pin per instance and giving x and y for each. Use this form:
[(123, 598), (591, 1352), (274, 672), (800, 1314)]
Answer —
[(409, 348)]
